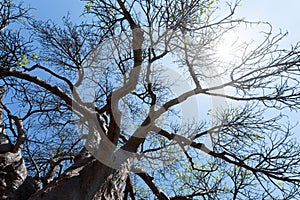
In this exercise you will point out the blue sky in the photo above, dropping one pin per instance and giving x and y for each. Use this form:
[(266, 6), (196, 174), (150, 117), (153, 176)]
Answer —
[(282, 15), (55, 9)]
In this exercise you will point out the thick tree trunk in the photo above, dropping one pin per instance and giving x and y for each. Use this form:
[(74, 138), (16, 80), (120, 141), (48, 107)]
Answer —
[(12, 175), (94, 181), (13, 172), (87, 179)]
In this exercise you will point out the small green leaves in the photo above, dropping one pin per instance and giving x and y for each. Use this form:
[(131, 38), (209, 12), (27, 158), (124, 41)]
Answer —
[(34, 56), (111, 12), (211, 3), (280, 184), (185, 41), (19, 64), (257, 136), (90, 3), (88, 7), (237, 109), (23, 57), (229, 115), (23, 60)]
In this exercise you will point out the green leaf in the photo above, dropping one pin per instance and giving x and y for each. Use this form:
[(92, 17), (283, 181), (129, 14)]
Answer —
[(185, 41), (19, 64), (237, 109), (211, 3), (34, 56), (280, 184), (88, 7), (23, 60), (23, 57), (257, 136), (228, 115), (111, 11)]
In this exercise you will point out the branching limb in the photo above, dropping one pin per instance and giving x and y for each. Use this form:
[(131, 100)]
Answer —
[(149, 181)]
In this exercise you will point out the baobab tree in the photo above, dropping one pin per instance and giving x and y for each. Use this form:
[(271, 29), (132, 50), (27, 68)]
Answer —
[(108, 108)]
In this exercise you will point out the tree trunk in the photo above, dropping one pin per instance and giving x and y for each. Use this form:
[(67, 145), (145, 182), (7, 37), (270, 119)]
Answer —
[(13, 172), (86, 179), (94, 181)]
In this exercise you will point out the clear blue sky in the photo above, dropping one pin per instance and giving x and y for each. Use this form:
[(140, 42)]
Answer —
[(55, 9), (281, 14)]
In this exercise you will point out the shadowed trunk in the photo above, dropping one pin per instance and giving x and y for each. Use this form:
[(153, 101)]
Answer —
[(86, 179), (94, 181), (13, 172)]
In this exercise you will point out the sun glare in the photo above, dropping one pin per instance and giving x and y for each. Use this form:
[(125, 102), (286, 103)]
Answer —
[(226, 50), (225, 53)]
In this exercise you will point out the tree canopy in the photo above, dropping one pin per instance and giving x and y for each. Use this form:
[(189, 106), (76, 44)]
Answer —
[(111, 107)]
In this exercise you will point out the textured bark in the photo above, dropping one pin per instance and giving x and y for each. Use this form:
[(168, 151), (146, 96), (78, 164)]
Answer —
[(94, 181), (112, 188), (13, 172), (86, 179)]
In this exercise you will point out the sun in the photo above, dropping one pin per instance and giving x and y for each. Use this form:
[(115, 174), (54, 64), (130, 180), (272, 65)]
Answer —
[(225, 53), (226, 49)]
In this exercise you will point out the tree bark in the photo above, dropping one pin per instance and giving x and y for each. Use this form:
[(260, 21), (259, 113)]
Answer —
[(94, 181), (87, 179), (13, 172)]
